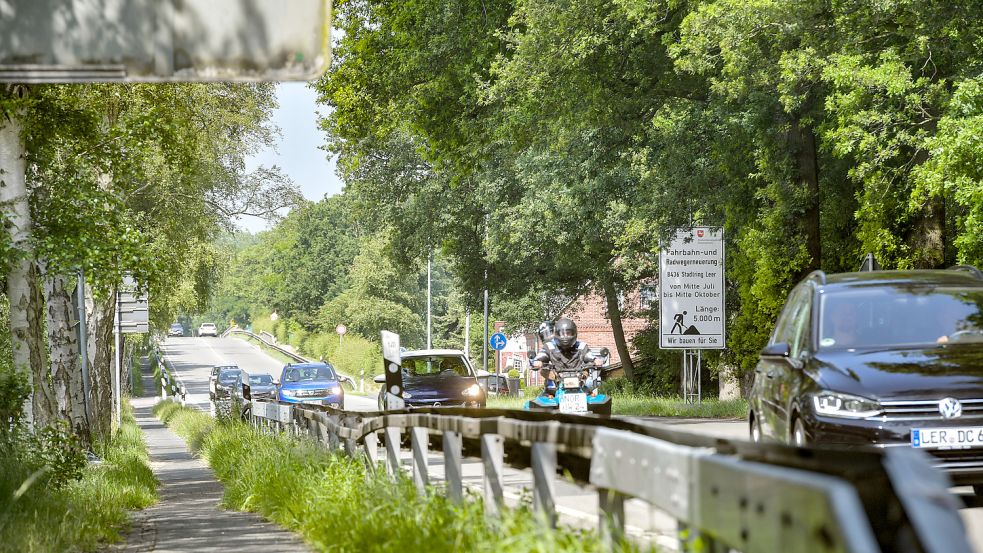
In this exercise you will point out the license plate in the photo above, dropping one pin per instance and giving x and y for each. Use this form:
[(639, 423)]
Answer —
[(573, 403), (571, 382), (947, 438)]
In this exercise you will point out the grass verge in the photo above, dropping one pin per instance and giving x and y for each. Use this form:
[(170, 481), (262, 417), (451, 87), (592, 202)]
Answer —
[(647, 406), (85, 514), (337, 505)]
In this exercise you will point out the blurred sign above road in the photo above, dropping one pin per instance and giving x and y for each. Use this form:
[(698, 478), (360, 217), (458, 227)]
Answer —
[(51, 41), (134, 311)]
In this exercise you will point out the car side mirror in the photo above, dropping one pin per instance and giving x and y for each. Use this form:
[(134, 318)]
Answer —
[(276, 382), (776, 352), (780, 351), (379, 379)]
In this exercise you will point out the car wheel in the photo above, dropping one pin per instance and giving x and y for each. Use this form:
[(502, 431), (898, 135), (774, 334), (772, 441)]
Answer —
[(799, 438), (755, 430)]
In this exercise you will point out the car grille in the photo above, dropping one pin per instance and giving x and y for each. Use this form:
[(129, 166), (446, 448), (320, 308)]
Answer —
[(312, 393), (925, 410)]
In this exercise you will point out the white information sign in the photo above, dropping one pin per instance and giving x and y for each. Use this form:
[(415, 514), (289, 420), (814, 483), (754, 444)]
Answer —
[(691, 290)]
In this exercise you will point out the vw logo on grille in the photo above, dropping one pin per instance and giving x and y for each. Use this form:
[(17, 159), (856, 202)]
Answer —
[(950, 408)]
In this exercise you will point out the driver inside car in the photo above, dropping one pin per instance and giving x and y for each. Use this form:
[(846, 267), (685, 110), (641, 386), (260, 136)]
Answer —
[(563, 353)]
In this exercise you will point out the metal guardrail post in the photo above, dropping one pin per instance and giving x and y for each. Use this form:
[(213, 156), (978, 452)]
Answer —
[(392, 437), (452, 466), (492, 459), (611, 517), (543, 475), (419, 441)]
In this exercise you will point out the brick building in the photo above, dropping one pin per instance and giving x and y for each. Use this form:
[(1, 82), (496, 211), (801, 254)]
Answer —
[(589, 311)]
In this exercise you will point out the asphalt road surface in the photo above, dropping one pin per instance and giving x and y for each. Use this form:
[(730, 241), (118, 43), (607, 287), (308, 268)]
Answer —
[(192, 359)]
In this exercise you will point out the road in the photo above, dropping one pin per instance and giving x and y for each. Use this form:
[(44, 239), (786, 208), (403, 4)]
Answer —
[(191, 360)]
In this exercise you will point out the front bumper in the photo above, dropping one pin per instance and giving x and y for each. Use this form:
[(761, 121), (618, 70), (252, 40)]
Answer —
[(964, 466), (333, 401)]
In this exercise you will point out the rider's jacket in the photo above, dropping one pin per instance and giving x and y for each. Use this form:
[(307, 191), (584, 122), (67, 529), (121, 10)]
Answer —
[(563, 360)]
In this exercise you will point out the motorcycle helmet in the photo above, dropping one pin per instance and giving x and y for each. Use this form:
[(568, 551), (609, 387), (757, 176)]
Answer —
[(546, 331), (565, 331)]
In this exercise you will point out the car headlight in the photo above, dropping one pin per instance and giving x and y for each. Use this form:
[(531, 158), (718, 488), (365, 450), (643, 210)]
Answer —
[(334, 390), (472, 391), (287, 393), (835, 404)]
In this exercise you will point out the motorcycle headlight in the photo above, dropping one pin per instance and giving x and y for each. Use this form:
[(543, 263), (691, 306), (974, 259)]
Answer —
[(835, 404), (472, 391), (288, 393), (334, 390)]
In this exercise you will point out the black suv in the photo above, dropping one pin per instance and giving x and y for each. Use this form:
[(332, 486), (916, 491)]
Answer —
[(885, 358)]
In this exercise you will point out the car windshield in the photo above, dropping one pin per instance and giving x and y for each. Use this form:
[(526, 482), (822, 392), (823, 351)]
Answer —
[(228, 375), (309, 374), (910, 316), (176, 326), (434, 365), (260, 379)]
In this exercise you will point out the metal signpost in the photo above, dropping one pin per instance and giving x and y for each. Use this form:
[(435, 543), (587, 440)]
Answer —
[(692, 300), (498, 342), (341, 330), (132, 317), (391, 360)]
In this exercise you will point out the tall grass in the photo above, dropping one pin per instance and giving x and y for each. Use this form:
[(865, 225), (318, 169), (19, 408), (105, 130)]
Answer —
[(632, 404), (337, 505), (83, 515)]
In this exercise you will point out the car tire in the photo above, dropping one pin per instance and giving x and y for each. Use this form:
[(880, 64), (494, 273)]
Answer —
[(799, 437), (755, 430)]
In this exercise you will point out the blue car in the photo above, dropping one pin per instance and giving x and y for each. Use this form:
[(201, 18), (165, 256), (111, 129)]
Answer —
[(312, 383)]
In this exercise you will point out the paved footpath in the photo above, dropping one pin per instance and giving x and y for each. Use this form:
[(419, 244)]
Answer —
[(188, 516)]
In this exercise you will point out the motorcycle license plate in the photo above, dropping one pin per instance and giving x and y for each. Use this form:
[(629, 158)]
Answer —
[(573, 403), (571, 382)]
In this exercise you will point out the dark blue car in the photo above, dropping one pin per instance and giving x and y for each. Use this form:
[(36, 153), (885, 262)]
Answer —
[(316, 383)]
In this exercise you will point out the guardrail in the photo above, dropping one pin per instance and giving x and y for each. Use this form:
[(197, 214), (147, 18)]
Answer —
[(170, 385), (284, 351), (723, 493)]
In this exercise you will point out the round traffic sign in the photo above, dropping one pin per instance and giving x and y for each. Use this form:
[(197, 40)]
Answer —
[(341, 329), (498, 341)]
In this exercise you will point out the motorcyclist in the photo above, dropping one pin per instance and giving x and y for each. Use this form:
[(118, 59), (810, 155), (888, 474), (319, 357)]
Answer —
[(563, 353)]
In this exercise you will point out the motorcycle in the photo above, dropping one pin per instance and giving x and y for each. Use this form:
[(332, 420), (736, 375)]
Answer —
[(574, 391)]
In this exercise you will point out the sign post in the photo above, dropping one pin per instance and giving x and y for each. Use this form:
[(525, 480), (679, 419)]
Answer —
[(498, 341), (692, 300), (391, 360), (132, 317), (341, 330)]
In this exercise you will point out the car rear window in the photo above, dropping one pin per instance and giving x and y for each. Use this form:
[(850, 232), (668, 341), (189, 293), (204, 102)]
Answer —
[(434, 365), (261, 379), (309, 374), (895, 316)]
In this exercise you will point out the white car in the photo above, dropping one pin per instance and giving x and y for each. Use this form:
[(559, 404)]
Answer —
[(207, 329)]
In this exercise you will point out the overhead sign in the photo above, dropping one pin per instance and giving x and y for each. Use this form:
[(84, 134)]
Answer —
[(691, 290), (498, 341), (49, 41)]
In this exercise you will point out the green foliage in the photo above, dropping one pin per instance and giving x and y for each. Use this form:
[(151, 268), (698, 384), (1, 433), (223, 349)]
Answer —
[(80, 514), (305, 488)]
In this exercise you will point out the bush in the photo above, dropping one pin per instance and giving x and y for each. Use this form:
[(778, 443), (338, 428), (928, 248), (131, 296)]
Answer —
[(513, 373)]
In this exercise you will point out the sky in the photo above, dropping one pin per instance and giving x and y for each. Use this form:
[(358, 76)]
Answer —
[(298, 151)]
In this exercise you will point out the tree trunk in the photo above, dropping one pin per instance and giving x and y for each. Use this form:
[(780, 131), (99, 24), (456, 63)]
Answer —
[(13, 196), (45, 406), (100, 350), (614, 313), (66, 369), (808, 173)]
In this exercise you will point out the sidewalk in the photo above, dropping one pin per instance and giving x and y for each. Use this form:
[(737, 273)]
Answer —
[(188, 516)]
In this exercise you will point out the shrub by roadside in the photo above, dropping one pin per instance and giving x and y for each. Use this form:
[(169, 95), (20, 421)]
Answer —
[(336, 506), (51, 500)]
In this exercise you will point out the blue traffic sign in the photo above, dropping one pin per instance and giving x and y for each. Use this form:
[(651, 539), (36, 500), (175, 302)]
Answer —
[(498, 341)]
